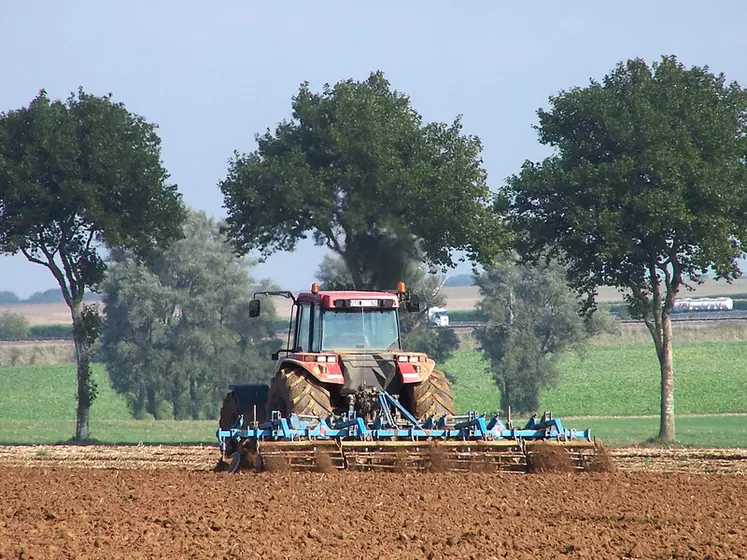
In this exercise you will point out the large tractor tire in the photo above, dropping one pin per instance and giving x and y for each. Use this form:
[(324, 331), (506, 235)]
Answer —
[(296, 391), (432, 397)]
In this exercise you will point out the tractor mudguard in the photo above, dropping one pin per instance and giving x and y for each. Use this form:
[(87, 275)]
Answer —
[(325, 372), (416, 372)]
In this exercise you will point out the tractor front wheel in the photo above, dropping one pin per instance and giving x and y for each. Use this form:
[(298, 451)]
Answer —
[(431, 397), (295, 391)]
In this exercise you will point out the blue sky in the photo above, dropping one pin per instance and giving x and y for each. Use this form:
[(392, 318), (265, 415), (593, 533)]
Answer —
[(213, 74)]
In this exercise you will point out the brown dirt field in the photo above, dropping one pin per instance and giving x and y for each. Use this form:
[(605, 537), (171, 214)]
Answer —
[(40, 313), (129, 507)]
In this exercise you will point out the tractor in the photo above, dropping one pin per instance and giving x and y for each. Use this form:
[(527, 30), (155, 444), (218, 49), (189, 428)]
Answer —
[(346, 395), (342, 348)]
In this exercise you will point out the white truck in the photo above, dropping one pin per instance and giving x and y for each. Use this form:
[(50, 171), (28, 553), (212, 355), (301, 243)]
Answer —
[(438, 317)]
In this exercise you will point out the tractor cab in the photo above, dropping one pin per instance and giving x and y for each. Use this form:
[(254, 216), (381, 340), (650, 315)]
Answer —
[(344, 321)]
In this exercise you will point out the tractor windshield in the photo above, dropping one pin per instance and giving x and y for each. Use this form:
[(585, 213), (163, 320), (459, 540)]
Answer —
[(360, 329)]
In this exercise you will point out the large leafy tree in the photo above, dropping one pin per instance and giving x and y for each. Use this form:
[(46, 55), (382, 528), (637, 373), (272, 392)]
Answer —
[(358, 169), (532, 318), (177, 331), (77, 176), (646, 190)]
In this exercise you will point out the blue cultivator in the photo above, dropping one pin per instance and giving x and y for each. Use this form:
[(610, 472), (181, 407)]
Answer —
[(392, 438)]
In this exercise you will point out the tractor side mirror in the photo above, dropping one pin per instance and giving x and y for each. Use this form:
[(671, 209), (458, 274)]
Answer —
[(413, 304), (254, 308)]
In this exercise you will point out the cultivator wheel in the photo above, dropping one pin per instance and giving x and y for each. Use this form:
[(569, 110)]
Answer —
[(295, 391)]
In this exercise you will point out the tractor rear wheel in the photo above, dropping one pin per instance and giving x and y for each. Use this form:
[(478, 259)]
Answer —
[(295, 391), (432, 397)]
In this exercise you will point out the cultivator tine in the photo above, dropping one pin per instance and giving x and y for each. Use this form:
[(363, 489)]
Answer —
[(438, 456), (487, 456), (319, 456), (560, 456)]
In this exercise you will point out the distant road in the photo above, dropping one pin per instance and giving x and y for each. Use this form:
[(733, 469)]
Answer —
[(676, 317), (703, 316)]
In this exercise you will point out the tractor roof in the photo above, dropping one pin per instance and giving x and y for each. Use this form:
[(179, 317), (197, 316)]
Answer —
[(328, 298)]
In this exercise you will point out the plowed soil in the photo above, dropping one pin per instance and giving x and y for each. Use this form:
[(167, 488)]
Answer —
[(164, 502)]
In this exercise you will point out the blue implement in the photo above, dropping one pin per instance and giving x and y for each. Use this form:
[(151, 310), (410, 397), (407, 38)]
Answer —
[(393, 438)]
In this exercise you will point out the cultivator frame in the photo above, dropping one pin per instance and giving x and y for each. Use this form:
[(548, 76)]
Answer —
[(393, 439)]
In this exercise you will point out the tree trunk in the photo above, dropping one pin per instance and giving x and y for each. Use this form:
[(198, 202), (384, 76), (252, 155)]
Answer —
[(153, 406), (666, 427), (194, 401), (84, 373)]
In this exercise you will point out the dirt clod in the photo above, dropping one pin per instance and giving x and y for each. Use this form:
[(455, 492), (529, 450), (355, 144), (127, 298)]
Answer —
[(547, 458), (602, 462)]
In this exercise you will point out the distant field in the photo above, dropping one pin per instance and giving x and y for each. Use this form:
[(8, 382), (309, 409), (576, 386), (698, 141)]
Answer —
[(40, 313)]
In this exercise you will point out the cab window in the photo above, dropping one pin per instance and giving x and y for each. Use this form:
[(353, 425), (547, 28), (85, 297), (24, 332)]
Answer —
[(303, 328)]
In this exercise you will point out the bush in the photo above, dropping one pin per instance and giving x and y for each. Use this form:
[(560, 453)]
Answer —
[(9, 297), (51, 331), (13, 326)]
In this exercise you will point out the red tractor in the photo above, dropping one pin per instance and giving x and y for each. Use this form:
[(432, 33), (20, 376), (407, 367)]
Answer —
[(342, 346)]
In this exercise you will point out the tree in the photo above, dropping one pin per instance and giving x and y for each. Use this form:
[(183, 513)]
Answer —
[(9, 297), (358, 169), (13, 326), (532, 318), (77, 177), (177, 331), (646, 191)]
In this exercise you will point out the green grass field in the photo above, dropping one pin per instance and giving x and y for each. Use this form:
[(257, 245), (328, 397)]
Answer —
[(710, 378), (37, 403)]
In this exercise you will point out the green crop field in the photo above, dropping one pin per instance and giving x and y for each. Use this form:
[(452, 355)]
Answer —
[(710, 378), (37, 403), (611, 381)]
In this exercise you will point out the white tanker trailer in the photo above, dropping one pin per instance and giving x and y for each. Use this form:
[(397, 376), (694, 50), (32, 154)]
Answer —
[(690, 305)]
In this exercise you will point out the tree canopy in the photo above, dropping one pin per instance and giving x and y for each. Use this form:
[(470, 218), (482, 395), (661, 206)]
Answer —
[(358, 169), (177, 331), (76, 176), (646, 190)]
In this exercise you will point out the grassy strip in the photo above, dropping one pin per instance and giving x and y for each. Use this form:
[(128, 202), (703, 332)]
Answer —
[(129, 431), (620, 381), (695, 431)]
